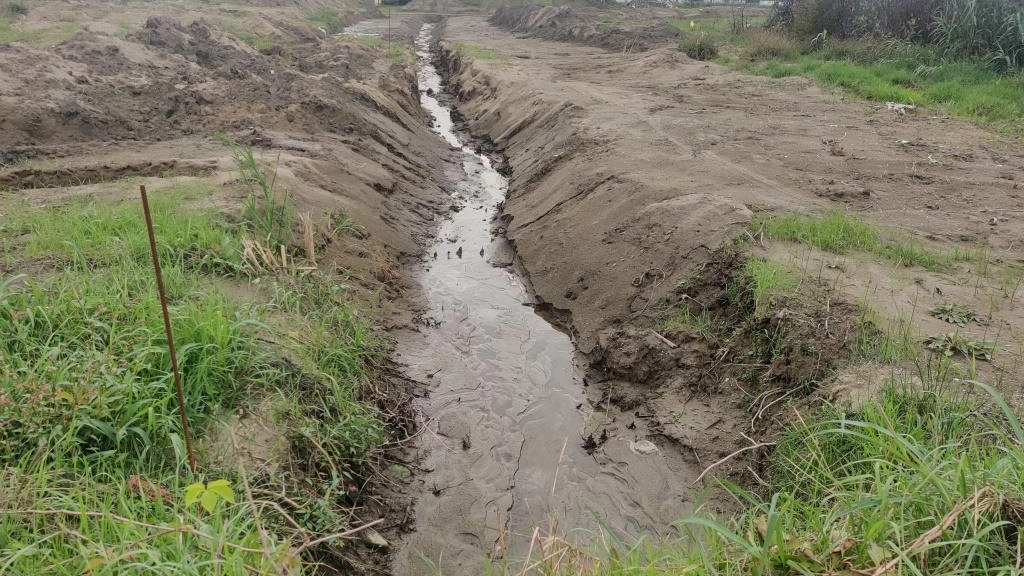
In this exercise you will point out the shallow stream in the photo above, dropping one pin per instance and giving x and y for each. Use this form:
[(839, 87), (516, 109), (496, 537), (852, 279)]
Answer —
[(507, 412)]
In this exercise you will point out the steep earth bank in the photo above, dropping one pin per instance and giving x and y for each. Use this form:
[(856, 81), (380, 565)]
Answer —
[(633, 175)]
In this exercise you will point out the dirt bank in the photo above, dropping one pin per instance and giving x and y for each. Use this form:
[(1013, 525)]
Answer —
[(633, 176), (159, 94), (582, 25)]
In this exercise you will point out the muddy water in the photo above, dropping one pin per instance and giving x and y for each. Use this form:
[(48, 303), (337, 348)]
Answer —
[(507, 411)]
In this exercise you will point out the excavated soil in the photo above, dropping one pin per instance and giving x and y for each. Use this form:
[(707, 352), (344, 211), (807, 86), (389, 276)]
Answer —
[(634, 178), (575, 24)]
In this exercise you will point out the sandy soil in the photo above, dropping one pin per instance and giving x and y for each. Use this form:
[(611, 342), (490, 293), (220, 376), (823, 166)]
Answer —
[(633, 174)]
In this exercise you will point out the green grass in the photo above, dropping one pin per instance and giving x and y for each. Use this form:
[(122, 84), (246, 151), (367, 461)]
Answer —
[(921, 481), (767, 280), (401, 52), (476, 52), (969, 90), (11, 31), (93, 473), (840, 233), (329, 20), (84, 234)]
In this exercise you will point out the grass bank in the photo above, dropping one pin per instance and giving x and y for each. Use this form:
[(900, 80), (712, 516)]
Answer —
[(906, 69), (94, 477), (917, 481), (968, 90)]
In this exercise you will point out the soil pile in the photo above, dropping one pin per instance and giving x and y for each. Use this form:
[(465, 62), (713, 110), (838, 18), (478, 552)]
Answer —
[(567, 24), (344, 118)]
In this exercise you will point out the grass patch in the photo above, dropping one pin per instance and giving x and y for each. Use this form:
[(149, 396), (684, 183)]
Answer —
[(701, 322), (327, 20), (767, 280), (916, 481), (12, 31), (897, 72), (476, 52), (401, 52), (255, 41), (890, 343), (84, 234), (93, 477), (840, 233), (364, 39)]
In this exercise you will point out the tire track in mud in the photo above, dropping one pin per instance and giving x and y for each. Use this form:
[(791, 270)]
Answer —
[(507, 410)]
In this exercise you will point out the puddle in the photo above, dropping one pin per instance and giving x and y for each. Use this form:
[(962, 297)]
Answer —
[(506, 414)]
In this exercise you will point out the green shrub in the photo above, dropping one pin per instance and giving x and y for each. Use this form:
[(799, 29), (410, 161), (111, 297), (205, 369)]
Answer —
[(700, 47)]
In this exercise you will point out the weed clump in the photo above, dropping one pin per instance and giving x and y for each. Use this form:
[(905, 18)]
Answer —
[(766, 45), (15, 10), (700, 47)]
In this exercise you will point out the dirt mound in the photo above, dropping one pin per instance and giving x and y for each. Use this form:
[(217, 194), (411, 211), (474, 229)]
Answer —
[(170, 79), (567, 24)]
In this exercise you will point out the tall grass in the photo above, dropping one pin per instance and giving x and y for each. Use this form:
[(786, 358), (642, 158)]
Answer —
[(92, 474), (991, 30), (267, 208)]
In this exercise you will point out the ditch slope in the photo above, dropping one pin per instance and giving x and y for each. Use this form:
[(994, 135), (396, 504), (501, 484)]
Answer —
[(633, 175)]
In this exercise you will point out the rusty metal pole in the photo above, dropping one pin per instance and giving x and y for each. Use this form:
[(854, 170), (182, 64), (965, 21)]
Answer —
[(179, 390)]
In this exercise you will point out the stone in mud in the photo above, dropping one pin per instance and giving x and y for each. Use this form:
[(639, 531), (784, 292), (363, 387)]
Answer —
[(643, 447), (502, 255)]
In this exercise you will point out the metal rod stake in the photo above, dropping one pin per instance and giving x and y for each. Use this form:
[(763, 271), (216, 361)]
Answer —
[(179, 390)]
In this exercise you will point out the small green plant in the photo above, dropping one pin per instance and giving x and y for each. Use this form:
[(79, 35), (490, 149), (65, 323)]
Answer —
[(268, 211), (953, 343), (210, 494), (954, 313), (700, 47), (768, 279)]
